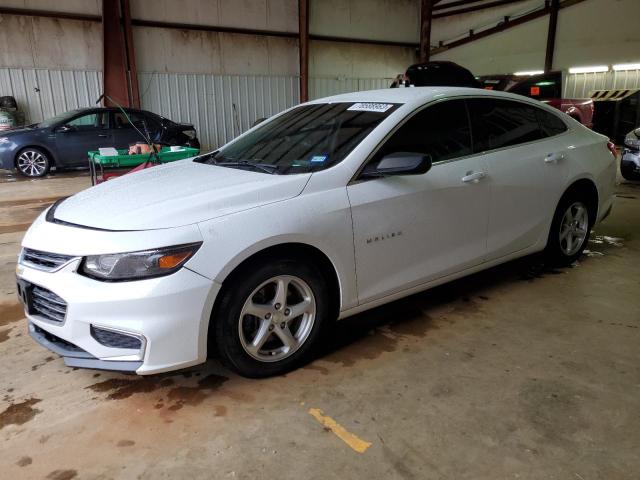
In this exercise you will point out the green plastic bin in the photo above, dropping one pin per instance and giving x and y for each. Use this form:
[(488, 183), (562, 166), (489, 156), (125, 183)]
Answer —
[(123, 160)]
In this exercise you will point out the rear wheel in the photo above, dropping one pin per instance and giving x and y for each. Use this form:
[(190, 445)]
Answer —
[(569, 230), (270, 317), (33, 162)]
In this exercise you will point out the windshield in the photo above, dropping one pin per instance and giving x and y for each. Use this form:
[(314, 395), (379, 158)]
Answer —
[(305, 139), (50, 122)]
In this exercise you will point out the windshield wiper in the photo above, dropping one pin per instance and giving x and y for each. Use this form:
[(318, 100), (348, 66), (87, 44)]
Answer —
[(262, 167)]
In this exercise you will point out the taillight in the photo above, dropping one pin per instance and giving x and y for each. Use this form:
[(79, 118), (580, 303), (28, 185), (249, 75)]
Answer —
[(612, 148)]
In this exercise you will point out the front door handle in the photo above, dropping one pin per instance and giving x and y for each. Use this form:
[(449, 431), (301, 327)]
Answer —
[(473, 177), (553, 157), (103, 135)]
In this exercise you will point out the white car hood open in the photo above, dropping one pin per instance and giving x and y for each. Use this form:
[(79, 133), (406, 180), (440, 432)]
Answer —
[(175, 194)]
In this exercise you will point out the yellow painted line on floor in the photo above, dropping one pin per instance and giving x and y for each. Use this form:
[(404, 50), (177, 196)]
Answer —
[(343, 434)]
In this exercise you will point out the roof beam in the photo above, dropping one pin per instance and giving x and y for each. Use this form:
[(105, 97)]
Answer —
[(506, 24), (28, 12), (473, 8)]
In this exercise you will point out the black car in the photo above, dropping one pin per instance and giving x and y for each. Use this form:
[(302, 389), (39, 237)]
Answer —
[(437, 74), (65, 139)]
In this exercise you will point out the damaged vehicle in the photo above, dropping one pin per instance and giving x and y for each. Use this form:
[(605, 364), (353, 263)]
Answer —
[(630, 162), (252, 252)]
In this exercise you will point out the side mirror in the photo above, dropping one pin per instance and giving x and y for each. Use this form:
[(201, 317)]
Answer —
[(399, 163)]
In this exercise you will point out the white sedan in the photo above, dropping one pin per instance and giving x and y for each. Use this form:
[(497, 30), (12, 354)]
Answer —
[(325, 210)]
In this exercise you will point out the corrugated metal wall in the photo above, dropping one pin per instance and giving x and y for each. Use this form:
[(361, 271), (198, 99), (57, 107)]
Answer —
[(578, 85), (325, 86), (43, 93), (220, 106)]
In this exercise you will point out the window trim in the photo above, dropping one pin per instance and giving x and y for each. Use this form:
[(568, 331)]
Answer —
[(356, 177)]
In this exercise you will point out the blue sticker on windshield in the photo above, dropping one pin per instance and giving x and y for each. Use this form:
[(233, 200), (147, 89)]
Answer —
[(318, 158)]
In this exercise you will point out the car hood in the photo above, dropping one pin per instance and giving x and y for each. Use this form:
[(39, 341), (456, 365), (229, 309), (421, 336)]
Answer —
[(175, 194), (18, 131)]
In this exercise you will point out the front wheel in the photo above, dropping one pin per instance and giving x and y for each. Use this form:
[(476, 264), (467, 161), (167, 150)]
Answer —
[(270, 318), (32, 162), (569, 231)]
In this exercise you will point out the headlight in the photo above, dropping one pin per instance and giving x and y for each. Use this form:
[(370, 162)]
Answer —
[(4, 140), (190, 133), (138, 265), (632, 141)]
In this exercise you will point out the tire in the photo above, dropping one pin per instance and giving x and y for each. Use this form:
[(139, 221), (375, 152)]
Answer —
[(252, 319), (33, 162), (572, 222)]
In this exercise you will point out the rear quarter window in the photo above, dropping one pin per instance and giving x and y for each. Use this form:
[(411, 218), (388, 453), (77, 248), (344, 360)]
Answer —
[(550, 124)]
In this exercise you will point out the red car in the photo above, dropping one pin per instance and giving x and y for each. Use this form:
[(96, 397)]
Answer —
[(547, 88)]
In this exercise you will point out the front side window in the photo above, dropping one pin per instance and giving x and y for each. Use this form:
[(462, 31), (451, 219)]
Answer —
[(498, 123), (440, 131), (91, 121), (305, 139)]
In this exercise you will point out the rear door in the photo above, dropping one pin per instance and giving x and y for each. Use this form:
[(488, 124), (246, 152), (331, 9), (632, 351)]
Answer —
[(411, 229), (124, 133), (520, 157), (83, 133)]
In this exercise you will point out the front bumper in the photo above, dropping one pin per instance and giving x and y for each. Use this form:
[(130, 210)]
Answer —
[(170, 314), (630, 162)]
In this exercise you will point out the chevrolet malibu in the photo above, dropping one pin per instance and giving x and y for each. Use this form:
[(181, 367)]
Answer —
[(323, 211)]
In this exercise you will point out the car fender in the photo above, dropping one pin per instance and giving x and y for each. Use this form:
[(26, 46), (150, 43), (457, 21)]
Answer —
[(230, 240)]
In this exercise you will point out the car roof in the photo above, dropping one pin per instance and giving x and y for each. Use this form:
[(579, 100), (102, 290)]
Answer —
[(418, 95)]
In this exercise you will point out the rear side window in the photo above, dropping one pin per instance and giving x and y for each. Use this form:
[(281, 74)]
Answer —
[(549, 123), (498, 123), (441, 131)]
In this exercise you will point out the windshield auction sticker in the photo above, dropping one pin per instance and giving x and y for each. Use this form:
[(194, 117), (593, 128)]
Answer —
[(370, 107)]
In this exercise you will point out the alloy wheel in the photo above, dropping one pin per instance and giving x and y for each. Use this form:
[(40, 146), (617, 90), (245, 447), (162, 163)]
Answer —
[(32, 163), (574, 228), (277, 318)]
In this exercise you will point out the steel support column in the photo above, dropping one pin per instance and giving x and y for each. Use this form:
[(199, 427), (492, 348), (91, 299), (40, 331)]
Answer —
[(551, 35), (426, 15), (120, 76), (303, 48)]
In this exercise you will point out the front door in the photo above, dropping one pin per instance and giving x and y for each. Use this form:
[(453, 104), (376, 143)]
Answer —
[(412, 229), (80, 135)]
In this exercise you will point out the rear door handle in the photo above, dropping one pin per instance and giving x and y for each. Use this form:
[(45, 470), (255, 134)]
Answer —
[(473, 177), (102, 135), (553, 157)]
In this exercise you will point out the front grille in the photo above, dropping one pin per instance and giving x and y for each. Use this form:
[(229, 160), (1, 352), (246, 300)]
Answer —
[(43, 260), (47, 304), (109, 338)]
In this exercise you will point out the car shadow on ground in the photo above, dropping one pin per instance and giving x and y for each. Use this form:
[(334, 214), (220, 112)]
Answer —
[(411, 315)]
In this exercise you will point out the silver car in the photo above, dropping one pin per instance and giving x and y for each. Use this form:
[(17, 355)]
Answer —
[(630, 164)]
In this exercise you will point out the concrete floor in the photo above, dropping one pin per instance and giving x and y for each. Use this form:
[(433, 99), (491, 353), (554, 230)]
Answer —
[(517, 372)]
